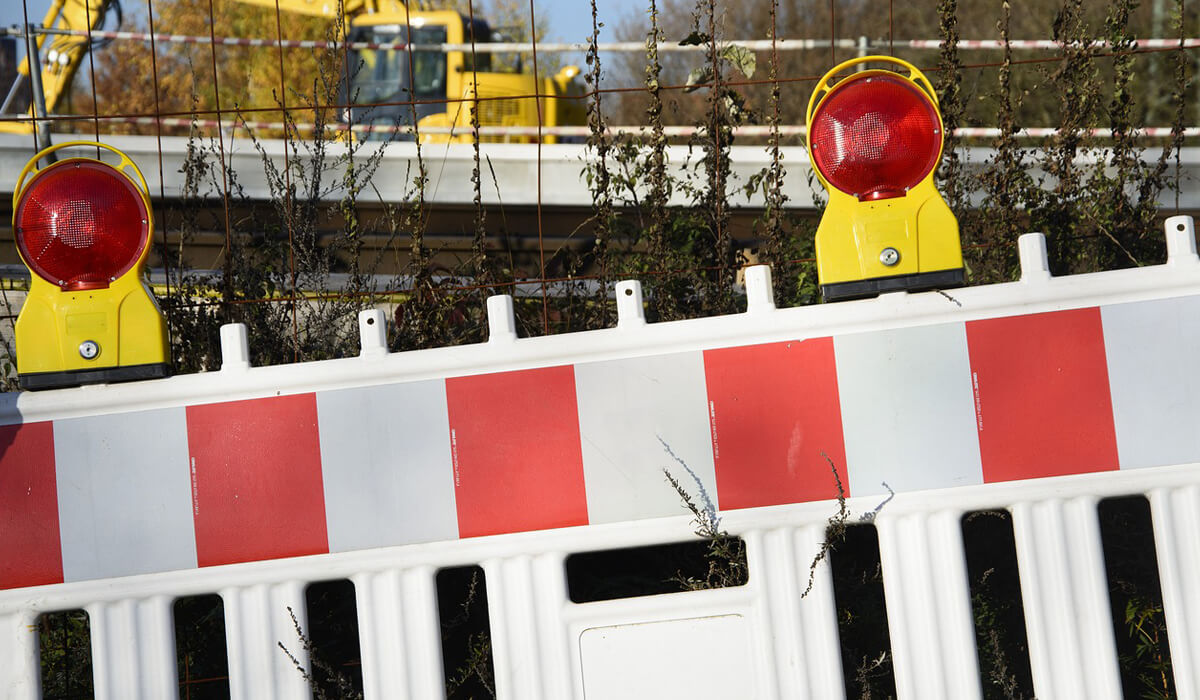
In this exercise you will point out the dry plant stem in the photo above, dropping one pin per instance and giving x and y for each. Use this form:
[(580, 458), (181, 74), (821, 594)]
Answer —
[(479, 242), (656, 197), (726, 555), (835, 531), (413, 218), (601, 186), (287, 174), (716, 157), (538, 102), (773, 189), (162, 192), (227, 290), (1179, 98), (1008, 151), (949, 89)]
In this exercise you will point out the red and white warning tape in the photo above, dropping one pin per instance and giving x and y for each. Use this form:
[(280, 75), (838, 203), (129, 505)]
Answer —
[(566, 47), (584, 131)]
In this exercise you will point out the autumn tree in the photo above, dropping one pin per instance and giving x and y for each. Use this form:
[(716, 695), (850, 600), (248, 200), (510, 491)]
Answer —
[(127, 79), (178, 79), (887, 26)]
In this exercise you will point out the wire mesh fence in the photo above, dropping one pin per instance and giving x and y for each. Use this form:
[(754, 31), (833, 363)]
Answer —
[(322, 94)]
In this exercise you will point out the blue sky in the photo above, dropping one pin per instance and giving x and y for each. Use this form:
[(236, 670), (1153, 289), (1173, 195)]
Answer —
[(571, 20)]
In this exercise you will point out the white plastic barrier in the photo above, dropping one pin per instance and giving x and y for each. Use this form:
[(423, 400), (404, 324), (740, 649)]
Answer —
[(1040, 396)]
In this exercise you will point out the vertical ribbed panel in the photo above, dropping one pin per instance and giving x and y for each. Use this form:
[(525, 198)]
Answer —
[(1065, 593), (928, 606), (550, 597), (803, 631), (399, 635), (525, 600), (381, 635), (513, 618), (422, 634), (133, 649), (19, 656), (256, 622), (1176, 524)]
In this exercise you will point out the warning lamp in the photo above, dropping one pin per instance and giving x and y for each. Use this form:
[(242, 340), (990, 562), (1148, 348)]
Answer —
[(83, 230), (875, 138)]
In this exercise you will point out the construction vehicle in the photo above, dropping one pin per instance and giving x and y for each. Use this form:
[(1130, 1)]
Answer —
[(59, 56), (440, 88)]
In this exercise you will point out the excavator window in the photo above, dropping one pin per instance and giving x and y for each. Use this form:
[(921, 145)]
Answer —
[(429, 67), (383, 75), (479, 32)]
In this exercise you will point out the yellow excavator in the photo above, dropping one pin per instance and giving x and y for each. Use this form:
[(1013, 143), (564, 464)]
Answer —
[(383, 89), (443, 86), (60, 56)]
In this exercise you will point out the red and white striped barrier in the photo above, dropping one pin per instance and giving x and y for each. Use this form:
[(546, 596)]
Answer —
[(955, 403), (1039, 396)]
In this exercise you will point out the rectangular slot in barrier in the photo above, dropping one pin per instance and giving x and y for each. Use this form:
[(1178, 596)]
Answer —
[(65, 649), (996, 605), (1140, 629), (862, 613), (631, 572), (466, 633), (200, 652), (335, 660)]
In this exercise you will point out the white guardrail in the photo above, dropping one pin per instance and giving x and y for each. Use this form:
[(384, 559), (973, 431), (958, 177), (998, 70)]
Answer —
[(1040, 396), (515, 167)]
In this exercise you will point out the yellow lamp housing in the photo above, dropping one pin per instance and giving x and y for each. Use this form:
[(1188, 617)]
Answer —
[(83, 230), (875, 139)]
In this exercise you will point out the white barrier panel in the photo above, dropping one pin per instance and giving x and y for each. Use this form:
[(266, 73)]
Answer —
[(1040, 397)]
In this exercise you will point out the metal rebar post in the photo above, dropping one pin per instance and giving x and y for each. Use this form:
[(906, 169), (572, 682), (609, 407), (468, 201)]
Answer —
[(41, 127)]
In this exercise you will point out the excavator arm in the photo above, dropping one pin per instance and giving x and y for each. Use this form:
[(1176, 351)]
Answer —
[(60, 54)]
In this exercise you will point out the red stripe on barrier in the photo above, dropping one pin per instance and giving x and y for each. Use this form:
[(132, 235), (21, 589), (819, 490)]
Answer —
[(514, 439), (30, 549), (774, 410), (1042, 402), (256, 480)]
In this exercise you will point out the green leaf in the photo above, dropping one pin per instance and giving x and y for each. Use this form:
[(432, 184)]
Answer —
[(698, 78), (742, 58)]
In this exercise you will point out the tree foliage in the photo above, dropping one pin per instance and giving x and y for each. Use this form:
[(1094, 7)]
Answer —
[(886, 26), (178, 79)]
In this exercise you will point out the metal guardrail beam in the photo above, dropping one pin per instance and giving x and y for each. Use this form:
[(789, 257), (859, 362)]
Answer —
[(450, 166)]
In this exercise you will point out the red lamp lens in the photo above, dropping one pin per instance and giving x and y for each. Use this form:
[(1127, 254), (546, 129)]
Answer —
[(81, 224), (875, 136)]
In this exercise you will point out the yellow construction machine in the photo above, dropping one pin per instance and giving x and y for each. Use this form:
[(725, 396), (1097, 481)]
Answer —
[(59, 56), (440, 88)]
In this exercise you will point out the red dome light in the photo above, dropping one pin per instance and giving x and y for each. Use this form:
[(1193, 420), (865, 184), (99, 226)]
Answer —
[(81, 224), (875, 136)]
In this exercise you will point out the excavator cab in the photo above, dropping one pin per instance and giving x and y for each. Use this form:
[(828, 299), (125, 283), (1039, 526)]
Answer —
[(384, 88), (405, 74)]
